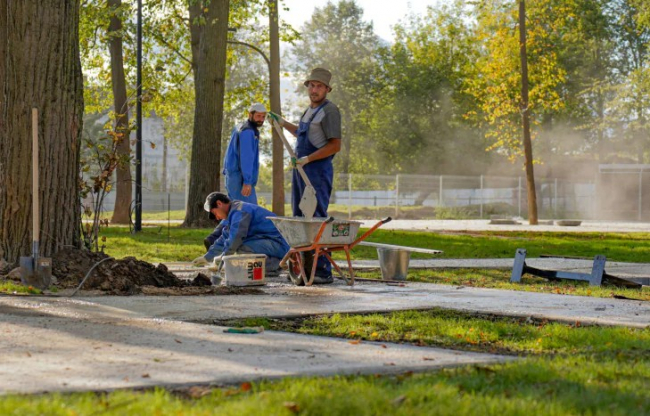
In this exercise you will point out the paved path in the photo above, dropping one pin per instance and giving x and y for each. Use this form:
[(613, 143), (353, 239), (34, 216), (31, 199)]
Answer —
[(62, 344), (284, 300), (51, 344), (484, 225)]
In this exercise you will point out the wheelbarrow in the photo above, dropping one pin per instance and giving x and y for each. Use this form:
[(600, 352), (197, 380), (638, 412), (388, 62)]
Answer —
[(322, 236)]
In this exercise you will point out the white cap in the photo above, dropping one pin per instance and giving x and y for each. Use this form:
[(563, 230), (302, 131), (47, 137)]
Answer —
[(257, 107)]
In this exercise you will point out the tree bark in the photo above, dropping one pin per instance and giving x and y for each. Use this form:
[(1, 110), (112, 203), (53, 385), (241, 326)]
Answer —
[(525, 118), (123, 183), (195, 8), (40, 67), (209, 86), (276, 107)]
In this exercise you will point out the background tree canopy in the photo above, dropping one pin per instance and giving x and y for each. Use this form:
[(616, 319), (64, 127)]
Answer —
[(442, 97)]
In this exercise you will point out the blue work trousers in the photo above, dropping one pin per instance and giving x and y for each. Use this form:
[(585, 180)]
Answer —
[(321, 176), (234, 183)]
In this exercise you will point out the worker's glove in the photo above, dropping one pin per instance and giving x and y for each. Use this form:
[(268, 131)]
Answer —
[(299, 162), (276, 117), (199, 261), (216, 263)]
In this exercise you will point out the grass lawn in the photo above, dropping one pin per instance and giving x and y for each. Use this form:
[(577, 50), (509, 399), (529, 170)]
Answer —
[(564, 370), (161, 243)]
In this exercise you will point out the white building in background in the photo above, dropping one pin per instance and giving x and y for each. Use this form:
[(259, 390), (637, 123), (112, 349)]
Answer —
[(158, 158), (164, 174)]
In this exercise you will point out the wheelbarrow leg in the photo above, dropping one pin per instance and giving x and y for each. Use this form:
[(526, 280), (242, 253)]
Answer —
[(348, 281), (314, 264), (347, 255)]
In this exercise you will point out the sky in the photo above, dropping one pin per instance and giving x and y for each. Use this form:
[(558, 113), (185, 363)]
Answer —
[(383, 13)]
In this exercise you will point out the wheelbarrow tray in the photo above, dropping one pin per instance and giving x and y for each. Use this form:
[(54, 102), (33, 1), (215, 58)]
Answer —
[(300, 231)]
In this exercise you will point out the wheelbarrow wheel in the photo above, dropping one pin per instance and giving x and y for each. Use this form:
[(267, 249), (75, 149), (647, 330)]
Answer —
[(295, 270)]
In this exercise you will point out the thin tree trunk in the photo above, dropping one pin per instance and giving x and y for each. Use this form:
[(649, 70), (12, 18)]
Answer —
[(525, 118), (163, 179), (209, 85), (39, 67), (123, 183), (276, 107)]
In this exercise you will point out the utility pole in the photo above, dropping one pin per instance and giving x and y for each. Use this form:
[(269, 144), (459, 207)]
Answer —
[(138, 133)]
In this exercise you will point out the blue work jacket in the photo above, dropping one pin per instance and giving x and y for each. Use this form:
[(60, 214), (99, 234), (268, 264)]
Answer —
[(245, 223), (243, 153)]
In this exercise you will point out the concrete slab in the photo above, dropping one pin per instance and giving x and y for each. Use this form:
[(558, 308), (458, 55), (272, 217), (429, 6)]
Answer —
[(621, 269), (283, 300), (53, 344)]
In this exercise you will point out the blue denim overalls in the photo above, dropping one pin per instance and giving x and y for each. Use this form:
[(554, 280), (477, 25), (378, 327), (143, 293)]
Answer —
[(320, 174)]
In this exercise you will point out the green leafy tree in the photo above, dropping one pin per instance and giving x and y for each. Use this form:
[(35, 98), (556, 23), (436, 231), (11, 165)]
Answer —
[(416, 111)]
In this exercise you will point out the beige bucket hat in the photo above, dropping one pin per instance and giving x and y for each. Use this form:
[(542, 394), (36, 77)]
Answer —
[(320, 75)]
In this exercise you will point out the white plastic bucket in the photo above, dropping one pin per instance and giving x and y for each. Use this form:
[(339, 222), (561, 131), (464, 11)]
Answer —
[(245, 269)]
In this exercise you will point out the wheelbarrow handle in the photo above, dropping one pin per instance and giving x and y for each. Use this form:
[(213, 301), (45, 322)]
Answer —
[(322, 229), (370, 231)]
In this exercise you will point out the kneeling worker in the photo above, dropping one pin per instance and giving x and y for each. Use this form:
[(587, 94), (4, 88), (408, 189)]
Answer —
[(244, 229)]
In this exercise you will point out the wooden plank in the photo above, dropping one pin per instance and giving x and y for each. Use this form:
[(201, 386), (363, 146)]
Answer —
[(394, 247)]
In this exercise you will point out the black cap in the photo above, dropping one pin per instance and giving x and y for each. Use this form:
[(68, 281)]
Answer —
[(211, 202)]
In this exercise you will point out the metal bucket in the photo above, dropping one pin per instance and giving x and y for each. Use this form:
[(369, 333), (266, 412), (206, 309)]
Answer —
[(394, 263)]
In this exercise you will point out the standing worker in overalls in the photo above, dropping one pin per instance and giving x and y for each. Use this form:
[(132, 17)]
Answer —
[(319, 139)]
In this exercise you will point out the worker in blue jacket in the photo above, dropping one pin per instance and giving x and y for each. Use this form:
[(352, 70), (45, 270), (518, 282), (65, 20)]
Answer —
[(245, 229), (319, 140), (241, 164)]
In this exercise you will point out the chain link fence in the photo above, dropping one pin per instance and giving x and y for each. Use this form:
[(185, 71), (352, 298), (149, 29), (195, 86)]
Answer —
[(423, 197)]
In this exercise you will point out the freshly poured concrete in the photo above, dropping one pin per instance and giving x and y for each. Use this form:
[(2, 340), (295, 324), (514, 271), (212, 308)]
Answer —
[(281, 300), (50, 344)]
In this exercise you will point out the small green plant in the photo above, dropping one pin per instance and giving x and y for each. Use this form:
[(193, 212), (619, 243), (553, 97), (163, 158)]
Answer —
[(100, 158), (12, 288)]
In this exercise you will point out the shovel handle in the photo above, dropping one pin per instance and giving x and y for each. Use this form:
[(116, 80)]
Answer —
[(301, 171), (36, 232)]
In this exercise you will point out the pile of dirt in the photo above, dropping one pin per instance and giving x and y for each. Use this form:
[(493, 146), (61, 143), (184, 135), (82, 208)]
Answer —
[(126, 276)]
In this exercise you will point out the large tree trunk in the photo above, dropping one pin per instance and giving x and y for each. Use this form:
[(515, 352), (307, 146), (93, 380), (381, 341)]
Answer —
[(196, 10), (525, 117), (123, 183), (39, 67), (209, 86), (276, 107)]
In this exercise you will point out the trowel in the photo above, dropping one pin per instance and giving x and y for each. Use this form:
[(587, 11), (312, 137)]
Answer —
[(308, 201), (35, 271)]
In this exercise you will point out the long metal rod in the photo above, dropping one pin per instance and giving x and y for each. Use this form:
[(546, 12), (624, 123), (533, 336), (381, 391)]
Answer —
[(138, 142), (302, 173)]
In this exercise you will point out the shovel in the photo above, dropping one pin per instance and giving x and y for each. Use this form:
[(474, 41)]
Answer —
[(34, 270), (308, 201)]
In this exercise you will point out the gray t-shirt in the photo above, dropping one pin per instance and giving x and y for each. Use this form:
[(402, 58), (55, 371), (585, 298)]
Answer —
[(326, 125)]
